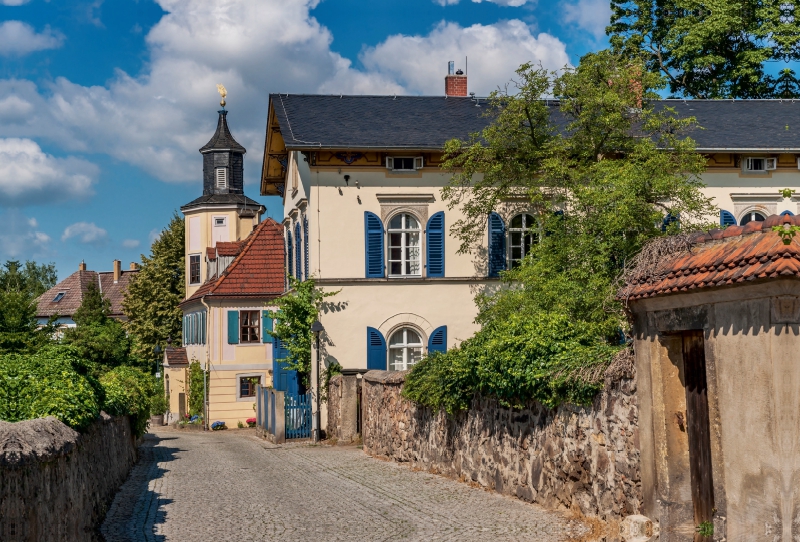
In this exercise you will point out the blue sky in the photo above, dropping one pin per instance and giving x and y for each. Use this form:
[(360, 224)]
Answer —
[(103, 105)]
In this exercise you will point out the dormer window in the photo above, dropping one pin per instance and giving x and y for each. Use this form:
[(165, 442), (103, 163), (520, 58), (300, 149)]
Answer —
[(59, 296), (404, 163), (222, 177), (759, 164)]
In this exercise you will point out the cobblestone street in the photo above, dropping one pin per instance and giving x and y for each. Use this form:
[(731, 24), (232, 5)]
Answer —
[(191, 486)]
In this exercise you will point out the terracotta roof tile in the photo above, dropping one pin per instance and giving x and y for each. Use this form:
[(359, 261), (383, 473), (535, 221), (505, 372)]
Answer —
[(225, 248), (176, 356), (211, 253), (258, 269), (724, 257)]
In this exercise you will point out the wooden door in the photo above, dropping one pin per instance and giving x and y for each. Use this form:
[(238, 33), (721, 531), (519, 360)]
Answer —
[(697, 425)]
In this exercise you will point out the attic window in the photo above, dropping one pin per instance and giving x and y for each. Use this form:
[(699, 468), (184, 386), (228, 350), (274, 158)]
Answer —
[(219, 221), (756, 164), (404, 163), (222, 177), (59, 296)]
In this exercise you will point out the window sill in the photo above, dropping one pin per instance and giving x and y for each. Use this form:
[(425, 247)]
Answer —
[(405, 276)]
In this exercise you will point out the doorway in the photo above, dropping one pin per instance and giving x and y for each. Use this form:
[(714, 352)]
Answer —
[(698, 426)]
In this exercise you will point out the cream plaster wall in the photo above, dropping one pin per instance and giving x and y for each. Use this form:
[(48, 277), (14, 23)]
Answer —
[(741, 193)]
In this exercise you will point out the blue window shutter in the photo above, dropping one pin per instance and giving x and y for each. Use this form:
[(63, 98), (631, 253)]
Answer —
[(373, 240), (497, 245), (437, 342), (266, 327), (233, 327), (434, 245), (289, 250), (787, 212), (376, 350), (726, 218), (669, 219), (305, 244), (183, 330), (298, 253), (203, 327)]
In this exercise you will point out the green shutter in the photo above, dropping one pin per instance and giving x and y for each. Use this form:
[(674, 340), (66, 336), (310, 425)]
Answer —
[(233, 327), (266, 327)]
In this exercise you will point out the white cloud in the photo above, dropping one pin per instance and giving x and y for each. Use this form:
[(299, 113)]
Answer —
[(159, 119), (506, 3), (494, 51), (130, 243), (20, 235), (154, 235), (590, 15), (28, 175), (18, 38), (86, 232), (13, 2)]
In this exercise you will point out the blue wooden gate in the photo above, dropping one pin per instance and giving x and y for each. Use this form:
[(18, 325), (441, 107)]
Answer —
[(282, 378), (298, 415)]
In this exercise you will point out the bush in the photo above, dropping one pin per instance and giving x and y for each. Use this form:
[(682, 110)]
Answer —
[(196, 388), (159, 403), (546, 357), (128, 393), (218, 426), (48, 383)]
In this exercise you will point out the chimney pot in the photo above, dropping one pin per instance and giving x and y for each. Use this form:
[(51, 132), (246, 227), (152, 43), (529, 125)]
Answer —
[(82, 266), (117, 270)]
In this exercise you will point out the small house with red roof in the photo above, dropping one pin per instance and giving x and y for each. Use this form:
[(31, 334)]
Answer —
[(716, 340), (235, 271)]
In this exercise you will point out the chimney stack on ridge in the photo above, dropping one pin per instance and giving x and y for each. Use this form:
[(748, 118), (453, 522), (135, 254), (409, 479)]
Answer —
[(455, 83), (82, 266), (117, 270)]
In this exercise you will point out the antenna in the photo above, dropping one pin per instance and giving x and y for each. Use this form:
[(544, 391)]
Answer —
[(466, 66)]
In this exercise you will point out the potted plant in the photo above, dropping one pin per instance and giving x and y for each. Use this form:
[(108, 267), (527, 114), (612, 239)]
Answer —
[(159, 404), (251, 422), (218, 426)]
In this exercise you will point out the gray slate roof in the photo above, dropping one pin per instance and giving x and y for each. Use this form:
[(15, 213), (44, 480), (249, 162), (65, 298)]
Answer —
[(219, 199), (380, 122), (222, 140), (427, 122)]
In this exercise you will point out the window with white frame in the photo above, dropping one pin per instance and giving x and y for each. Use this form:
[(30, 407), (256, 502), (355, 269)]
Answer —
[(404, 163), (752, 216), (221, 177), (520, 238), (759, 164), (405, 349), (404, 246), (246, 386), (249, 323)]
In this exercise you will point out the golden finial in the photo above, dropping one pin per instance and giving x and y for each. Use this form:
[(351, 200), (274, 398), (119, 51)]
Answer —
[(223, 93)]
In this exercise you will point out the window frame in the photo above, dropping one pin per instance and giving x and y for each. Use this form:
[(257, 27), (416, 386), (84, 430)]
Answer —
[(404, 232), (405, 346), (524, 231), (191, 269), (417, 163), (223, 177), (59, 296), (242, 376), (749, 215), (770, 164), (250, 326)]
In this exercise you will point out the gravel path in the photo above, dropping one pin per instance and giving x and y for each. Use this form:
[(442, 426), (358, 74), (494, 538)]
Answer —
[(233, 486)]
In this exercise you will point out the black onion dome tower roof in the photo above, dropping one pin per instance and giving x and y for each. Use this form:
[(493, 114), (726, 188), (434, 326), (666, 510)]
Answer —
[(222, 140)]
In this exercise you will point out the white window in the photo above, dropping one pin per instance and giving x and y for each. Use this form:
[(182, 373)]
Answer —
[(755, 164), (405, 349), (520, 238), (219, 221), (404, 246), (222, 177), (404, 163)]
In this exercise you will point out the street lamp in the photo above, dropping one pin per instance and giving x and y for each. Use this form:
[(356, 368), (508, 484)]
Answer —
[(317, 329), (157, 352)]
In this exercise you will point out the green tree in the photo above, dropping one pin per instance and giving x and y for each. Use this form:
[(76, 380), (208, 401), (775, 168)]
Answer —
[(297, 311), (709, 49), (151, 301), (599, 170), (20, 285), (98, 338)]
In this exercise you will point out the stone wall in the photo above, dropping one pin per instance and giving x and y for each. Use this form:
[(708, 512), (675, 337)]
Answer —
[(581, 458), (334, 408), (56, 483)]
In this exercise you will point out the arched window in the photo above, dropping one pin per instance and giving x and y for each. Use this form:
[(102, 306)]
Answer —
[(404, 246), (405, 349), (752, 216), (520, 238)]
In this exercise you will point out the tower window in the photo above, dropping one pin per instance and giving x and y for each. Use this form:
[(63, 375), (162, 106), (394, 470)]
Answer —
[(194, 269), (222, 177)]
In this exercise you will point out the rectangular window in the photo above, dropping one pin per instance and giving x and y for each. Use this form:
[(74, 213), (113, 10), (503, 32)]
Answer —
[(222, 177), (404, 163), (247, 385), (219, 221), (249, 322), (194, 269), (59, 296), (759, 164)]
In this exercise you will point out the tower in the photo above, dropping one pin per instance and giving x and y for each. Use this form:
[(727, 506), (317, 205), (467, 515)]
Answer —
[(223, 214)]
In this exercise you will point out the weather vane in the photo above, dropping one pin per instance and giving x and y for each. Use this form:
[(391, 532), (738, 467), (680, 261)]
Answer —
[(223, 93)]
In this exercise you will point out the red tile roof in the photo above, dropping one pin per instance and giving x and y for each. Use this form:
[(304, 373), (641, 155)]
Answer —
[(211, 253), (257, 271), (232, 248), (734, 255), (74, 288), (175, 356)]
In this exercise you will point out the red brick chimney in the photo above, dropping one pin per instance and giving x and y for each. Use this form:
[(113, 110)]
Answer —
[(455, 83)]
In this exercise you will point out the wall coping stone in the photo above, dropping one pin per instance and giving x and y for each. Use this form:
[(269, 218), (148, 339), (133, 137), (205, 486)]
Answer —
[(386, 377)]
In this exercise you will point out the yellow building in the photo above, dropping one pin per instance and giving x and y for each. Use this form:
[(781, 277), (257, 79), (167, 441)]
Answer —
[(235, 270)]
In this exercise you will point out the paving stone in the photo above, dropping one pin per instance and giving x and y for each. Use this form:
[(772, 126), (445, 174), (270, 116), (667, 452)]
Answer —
[(232, 485)]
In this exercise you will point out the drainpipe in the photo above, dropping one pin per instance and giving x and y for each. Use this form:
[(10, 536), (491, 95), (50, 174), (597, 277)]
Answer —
[(205, 370)]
